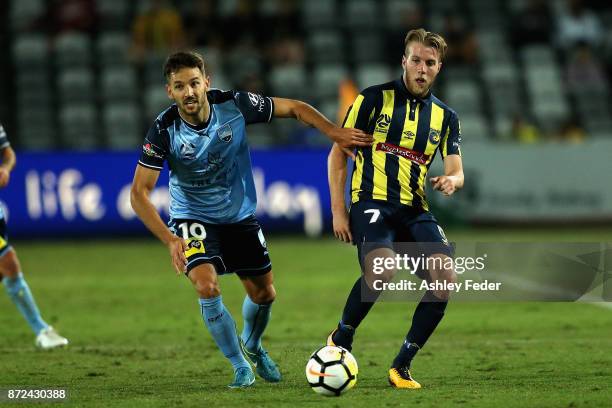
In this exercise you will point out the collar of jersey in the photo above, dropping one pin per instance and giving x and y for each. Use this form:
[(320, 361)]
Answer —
[(402, 87), (203, 125)]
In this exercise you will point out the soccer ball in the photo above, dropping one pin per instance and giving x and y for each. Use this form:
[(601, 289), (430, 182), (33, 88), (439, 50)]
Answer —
[(331, 371)]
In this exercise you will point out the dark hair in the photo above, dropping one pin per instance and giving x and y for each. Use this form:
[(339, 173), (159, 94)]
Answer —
[(183, 59), (433, 40)]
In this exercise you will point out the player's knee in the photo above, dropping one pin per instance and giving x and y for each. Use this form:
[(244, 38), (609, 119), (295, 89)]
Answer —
[(264, 296), (207, 289), (9, 265)]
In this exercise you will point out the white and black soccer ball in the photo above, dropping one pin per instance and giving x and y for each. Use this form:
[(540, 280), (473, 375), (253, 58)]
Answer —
[(331, 371)]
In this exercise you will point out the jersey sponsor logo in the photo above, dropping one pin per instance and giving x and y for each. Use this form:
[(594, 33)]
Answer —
[(188, 151), (417, 157), (382, 123), (194, 247), (254, 98), (257, 101), (409, 134), (148, 149), (225, 133), (434, 136)]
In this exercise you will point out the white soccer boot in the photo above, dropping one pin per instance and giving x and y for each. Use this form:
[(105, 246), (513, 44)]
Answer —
[(49, 339)]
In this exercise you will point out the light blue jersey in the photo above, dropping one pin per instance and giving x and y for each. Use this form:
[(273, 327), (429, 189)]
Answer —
[(211, 178)]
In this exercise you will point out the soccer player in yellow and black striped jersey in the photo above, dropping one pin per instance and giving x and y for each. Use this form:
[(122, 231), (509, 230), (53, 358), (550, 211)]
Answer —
[(409, 125)]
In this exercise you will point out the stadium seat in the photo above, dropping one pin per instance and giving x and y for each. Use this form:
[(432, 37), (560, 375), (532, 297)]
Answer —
[(76, 85), (122, 125), (113, 14), (325, 46), (112, 48), (119, 83), (318, 14), (359, 14), (474, 128), (329, 107), (537, 55), (367, 48), (464, 95), (153, 69), (156, 100), (289, 81), (72, 49), (373, 74), (30, 48), (79, 126), (326, 78), (395, 10), (23, 13), (36, 129)]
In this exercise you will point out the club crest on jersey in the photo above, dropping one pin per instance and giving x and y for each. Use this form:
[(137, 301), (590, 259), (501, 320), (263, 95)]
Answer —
[(225, 133), (188, 151), (382, 123), (434, 136)]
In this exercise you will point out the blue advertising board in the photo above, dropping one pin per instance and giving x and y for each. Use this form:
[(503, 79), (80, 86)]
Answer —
[(65, 194)]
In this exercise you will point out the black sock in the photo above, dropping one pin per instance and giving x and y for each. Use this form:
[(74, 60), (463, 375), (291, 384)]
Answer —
[(355, 310), (427, 315)]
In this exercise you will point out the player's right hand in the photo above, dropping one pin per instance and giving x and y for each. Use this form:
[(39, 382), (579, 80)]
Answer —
[(341, 226), (177, 247)]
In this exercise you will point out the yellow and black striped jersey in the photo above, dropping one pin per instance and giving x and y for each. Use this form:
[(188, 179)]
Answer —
[(407, 132)]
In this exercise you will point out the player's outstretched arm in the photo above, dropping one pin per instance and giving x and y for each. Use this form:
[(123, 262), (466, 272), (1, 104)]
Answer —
[(144, 182), (345, 137), (452, 180), (7, 163), (336, 176)]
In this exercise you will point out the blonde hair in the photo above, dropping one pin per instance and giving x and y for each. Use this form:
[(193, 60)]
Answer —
[(433, 40)]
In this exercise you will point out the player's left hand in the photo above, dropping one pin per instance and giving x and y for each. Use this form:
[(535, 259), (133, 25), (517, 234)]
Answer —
[(350, 137), (445, 184), (5, 176)]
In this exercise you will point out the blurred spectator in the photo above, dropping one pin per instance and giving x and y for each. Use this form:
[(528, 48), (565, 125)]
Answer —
[(578, 24), (286, 50), (571, 131), (533, 24), (462, 43), (584, 71), (524, 131), (203, 26), (66, 15), (71, 15), (158, 29), (347, 93)]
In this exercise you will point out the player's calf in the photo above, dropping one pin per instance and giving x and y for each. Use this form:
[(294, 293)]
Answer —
[(442, 275)]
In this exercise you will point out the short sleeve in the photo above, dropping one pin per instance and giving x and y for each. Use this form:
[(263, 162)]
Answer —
[(155, 148), (359, 113), (451, 144), (3, 138), (254, 107)]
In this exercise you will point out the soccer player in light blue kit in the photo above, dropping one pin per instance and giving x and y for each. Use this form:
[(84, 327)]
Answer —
[(212, 228), (10, 269)]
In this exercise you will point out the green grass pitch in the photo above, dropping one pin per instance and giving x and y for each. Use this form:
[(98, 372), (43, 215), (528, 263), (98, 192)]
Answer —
[(137, 339)]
